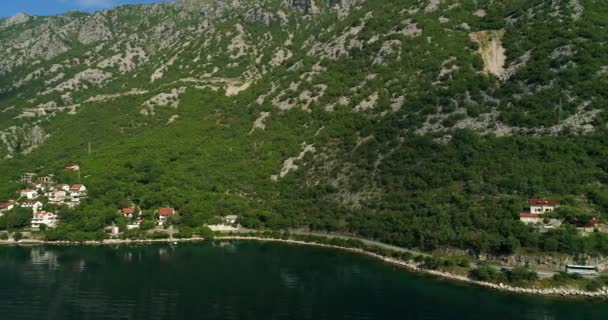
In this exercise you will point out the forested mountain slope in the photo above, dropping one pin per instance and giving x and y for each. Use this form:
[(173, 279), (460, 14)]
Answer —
[(424, 123)]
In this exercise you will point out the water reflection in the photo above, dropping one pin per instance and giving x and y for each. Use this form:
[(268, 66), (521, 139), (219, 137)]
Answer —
[(44, 257), (243, 280)]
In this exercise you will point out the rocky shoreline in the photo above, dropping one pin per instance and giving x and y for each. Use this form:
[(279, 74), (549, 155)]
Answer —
[(554, 292)]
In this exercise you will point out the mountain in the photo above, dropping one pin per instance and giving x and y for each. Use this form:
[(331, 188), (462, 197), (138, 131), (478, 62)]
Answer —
[(423, 123)]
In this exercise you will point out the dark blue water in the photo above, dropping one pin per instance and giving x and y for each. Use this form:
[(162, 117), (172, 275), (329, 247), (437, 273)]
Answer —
[(244, 280)]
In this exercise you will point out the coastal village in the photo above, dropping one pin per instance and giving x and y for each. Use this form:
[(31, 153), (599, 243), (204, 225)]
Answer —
[(43, 196)]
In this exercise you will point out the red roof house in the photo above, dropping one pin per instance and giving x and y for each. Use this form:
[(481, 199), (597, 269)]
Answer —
[(595, 221), (166, 211), (128, 210), (543, 202), (542, 205), (77, 187)]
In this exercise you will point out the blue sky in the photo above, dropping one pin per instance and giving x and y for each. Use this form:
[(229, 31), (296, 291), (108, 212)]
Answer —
[(50, 7)]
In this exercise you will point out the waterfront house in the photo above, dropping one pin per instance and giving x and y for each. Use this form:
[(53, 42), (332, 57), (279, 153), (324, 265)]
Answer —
[(112, 230), (231, 219), (49, 219), (594, 222), (32, 204), (542, 205), (164, 214), (135, 224), (127, 212), (29, 194), (530, 218)]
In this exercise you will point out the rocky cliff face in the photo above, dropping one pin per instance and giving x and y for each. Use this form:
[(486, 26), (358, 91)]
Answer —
[(438, 64)]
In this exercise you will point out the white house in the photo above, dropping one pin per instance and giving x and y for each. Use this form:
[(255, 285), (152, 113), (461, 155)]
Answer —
[(127, 212), (63, 187), (29, 193), (231, 219), (78, 188), (77, 191), (57, 196), (6, 206), (164, 214), (49, 219), (32, 204), (542, 205), (40, 186), (28, 177), (530, 218), (48, 179)]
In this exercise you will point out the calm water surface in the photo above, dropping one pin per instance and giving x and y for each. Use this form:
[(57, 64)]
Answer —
[(244, 280)]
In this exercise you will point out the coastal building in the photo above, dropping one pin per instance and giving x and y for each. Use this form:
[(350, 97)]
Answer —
[(135, 224), (8, 205), (29, 194), (231, 219), (542, 205), (49, 219), (63, 187), (530, 218), (77, 192), (48, 178), (57, 196), (164, 214), (32, 204), (28, 177), (79, 188), (594, 222), (112, 230), (127, 212), (40, 185)]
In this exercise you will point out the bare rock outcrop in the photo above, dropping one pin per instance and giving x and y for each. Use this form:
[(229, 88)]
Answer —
[(491, 50)]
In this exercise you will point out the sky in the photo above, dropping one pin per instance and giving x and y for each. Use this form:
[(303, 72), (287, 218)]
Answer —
[(51, 7)]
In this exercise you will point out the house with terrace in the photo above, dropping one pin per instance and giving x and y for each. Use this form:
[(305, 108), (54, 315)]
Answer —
[(77, 192), (164, 214), (538, 207), (32, 204), (48, 219), (29, 194)]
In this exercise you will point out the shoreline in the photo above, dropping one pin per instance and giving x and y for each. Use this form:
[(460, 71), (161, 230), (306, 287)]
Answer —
[(547, 292)]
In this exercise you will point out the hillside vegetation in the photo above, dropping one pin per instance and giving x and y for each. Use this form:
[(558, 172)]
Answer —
[(422, 123)]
